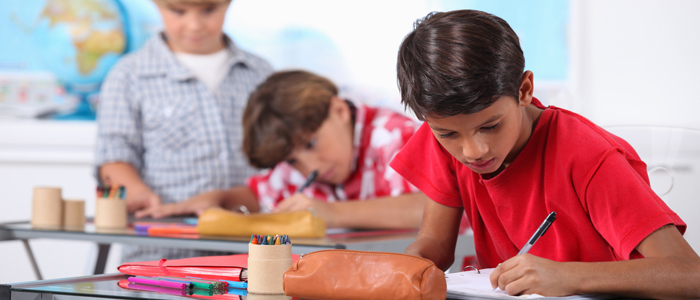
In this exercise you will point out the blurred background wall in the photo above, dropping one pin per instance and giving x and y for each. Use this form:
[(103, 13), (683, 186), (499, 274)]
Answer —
[(618, 62)]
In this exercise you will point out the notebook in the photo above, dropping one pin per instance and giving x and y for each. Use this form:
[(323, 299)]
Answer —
[(473, 285), (224, 267)]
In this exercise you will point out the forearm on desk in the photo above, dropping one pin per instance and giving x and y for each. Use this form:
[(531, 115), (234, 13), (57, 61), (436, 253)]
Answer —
[(437, 237), (403, 211), (233, 198), (672, 274)]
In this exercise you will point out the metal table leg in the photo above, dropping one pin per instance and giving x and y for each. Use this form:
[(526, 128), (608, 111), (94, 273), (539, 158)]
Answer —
[(31, 259), (102, 253)]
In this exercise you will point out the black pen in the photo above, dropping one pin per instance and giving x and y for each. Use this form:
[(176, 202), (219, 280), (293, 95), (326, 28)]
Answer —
[(540, 231), (308, 181)]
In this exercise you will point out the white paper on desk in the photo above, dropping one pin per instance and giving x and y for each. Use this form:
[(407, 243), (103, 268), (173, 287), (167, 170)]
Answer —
[(473, 285)]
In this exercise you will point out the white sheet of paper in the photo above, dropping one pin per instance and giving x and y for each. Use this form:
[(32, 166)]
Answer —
[(470, 285)]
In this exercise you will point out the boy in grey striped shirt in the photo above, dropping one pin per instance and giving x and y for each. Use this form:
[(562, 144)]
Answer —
[(169, 114)]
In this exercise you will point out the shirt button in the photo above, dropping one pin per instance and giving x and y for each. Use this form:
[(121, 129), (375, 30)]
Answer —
[(168, 111)]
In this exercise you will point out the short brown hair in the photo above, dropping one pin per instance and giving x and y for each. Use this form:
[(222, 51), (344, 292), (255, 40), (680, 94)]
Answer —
[(281, 114), (458, 62)]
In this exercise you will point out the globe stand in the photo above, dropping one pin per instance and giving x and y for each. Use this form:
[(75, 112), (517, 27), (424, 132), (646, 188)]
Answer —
[(82, 112), (87, 94)]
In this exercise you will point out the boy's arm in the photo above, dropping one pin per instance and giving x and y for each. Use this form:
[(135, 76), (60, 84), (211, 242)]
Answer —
[(138, 194), (403, 211), (230, 199), (670, 269), (437, 237), (119, 144)]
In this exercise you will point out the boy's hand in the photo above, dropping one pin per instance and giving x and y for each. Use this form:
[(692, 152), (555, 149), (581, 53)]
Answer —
[(300, 201), (529, 274), (140, 197), (195, 205)]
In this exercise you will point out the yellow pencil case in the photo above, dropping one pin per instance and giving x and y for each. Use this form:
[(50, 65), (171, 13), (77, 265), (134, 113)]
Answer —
[(297, 224)]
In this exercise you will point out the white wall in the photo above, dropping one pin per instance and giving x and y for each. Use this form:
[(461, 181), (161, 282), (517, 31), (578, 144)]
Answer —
[(637, 62)]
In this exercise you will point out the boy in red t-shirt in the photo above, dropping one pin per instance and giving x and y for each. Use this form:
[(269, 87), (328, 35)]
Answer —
[(492, 150)]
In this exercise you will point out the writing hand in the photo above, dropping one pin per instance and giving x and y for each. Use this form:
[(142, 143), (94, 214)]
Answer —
[(299, 201), (529, 274)]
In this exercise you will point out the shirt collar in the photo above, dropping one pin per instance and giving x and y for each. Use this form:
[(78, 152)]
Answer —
[(159, 59)]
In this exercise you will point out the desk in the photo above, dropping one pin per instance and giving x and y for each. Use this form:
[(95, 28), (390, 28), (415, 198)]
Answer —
[(382, 240)]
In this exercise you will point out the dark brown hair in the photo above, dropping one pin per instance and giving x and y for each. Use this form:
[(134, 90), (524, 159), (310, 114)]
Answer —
[(282, 112), (458, 62)]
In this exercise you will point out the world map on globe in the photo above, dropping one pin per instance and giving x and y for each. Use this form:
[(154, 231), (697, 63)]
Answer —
[(77, 40), (94, 28)]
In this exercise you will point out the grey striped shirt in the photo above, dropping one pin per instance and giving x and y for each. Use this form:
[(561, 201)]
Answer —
[(183, 138)]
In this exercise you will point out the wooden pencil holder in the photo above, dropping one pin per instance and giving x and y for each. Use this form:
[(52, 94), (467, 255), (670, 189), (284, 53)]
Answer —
[(110, 213), (266, 267), (73, 215), (47, 208)]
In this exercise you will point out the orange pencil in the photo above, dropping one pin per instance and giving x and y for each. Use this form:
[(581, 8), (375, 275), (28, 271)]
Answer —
[(112, 190)]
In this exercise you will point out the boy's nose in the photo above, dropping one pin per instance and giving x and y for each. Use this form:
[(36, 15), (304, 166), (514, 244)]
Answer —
[(194, 22), (473, 149), (307, 163)]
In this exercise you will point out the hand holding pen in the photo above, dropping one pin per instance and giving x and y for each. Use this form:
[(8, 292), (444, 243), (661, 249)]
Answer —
[(512, 264), (299, 201)]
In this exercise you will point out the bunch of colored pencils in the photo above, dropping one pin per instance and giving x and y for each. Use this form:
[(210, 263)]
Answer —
[(111, 192), (270, 240)]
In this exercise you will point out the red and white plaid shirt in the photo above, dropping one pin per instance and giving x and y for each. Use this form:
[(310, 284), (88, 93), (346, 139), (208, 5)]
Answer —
[(379, 135)]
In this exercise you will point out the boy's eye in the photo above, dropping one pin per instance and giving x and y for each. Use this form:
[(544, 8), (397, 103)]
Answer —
[(446, 135), (291, 161), (209, 9), (311, 144), (490, 127), (177, 11)]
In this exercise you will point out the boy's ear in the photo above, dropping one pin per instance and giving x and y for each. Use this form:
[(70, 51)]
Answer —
[(340, 108), (527, 87)]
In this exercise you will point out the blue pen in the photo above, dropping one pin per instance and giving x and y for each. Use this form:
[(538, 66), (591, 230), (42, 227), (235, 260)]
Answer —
[(237, 284), (190, 221), (308, 181)]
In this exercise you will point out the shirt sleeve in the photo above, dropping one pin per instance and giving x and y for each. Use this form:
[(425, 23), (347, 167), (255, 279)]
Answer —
[(119, 127), (425, 164), (623, 207), (397, 132)]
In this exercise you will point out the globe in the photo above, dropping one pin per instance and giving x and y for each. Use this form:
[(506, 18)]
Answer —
[(77, 40)]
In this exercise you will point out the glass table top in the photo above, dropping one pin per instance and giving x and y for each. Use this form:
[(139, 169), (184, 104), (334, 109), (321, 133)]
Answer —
[(116, 286)]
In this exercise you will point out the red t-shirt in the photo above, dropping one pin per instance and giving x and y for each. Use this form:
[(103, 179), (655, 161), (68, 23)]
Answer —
[(594, 180)]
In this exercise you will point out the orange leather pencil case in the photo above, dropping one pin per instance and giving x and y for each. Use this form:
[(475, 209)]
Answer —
[(348, 274)]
